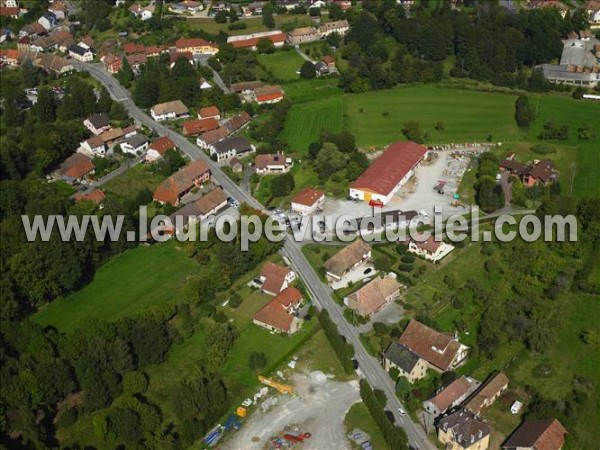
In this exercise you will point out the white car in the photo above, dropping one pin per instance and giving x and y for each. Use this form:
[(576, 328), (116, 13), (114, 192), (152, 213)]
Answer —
[(401, 412)]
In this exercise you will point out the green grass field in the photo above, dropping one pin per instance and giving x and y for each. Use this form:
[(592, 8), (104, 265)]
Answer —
[(127, 285), (129, 183), (283, 64), (253, 24), (359, 417)]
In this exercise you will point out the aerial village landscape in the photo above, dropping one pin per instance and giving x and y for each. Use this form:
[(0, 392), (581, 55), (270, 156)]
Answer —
[(288, 110)]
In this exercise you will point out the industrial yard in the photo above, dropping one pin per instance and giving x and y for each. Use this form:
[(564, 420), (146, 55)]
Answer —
[(317, 400)]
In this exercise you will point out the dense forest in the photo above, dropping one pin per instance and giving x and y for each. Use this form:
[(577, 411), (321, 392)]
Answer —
[(387, 46)]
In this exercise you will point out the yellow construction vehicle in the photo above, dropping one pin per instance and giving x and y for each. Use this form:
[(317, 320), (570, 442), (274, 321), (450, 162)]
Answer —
[(282, 388)]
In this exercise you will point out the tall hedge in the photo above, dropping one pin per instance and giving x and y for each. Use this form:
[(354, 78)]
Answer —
[(343, 350)]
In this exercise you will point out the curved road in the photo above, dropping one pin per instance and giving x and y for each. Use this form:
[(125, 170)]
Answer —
[(321, 293)]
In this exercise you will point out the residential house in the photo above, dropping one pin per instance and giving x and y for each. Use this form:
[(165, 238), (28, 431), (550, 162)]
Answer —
[(487, 394), (62, 39), (42, 44), (303, 35), (158, 148), (538, 172), (93, 146), (59, 9), (48, 20), (9, 56), (340, 27), (274, 278), (448, 397), (97, 123), (32, 29), (250, 41), (268, 95), (321, 68), (593, 9), (10, 3), (388, 173), (288, 4), (112, 63), (53, 64), (135, 145), (97, 196), (204, 84), (110, 137), (142, 12), (208, 139), (462, 430), (198, 126), (10, 11), (81, 52), (209, 112), (374, 296), (201, 209), (186, 6), (272, 163), (228, 148), (5, 35), (359, 252), (23, 44), (136, 60), (196, 46), (75, 168), (181, 182), (246, 87), (308, 201), (236, 165), (344, 4), (130, 130), (430, 249), (279, 314), (169, 111), (330, 61), (441, 351), (546, 434), (408, 364), (131, 48), (237, 122)]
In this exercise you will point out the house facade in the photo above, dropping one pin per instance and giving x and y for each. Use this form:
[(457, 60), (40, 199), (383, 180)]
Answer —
[(463, 431), (229, 148), (274, 278), (408, 364), (81, 52), (430, 249), (181, 182), (272, 163), (280, 314), (359, 252), (97, 123), (374, 296), (196, 46), (169, 111), (158, 148), (135, 145), (448, 397)]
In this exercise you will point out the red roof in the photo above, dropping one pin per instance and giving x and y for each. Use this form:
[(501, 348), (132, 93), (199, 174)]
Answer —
[(547, 434), (274, 277), (328, 59), (252, 42), (9, 11), (95, 196), (162, 144), (209, 111), (438, 349), (199, 126), (76, 166), (384, 174), (193, 42), (308, 196), (451, 394), (180, 182), (186, 55), (131, 47), (275, 313), (268, 97), (9, 53)]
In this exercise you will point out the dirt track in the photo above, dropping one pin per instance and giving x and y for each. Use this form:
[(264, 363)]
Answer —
[(319, 409)]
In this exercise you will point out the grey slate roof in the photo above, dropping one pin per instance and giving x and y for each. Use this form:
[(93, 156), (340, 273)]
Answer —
[(401, 356), (240, 144)]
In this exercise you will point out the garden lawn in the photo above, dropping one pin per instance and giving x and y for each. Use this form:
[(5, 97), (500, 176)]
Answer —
[(128, 284), (283, 64), (129, 183), (358, 416), (253, 24)]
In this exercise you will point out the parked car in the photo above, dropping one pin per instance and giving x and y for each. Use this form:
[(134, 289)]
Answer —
[(401, 412), (367, 271)]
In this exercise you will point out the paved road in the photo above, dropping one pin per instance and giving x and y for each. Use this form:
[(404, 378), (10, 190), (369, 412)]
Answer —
[(203, 60), (304, 55), (321, 293)]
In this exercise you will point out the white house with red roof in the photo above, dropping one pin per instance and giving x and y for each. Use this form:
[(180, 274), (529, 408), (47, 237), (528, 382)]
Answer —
[(388, 173), (267, 95), (280, 314), (429, 248), (274, 278), (158, 148), (308, 201)]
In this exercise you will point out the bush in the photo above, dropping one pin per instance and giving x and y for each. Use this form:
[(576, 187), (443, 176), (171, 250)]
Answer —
[(68, 418), (406, 267), (408, 259), (257, 360), (235, 300), (543, 149), (135, 383), (380, 328)]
